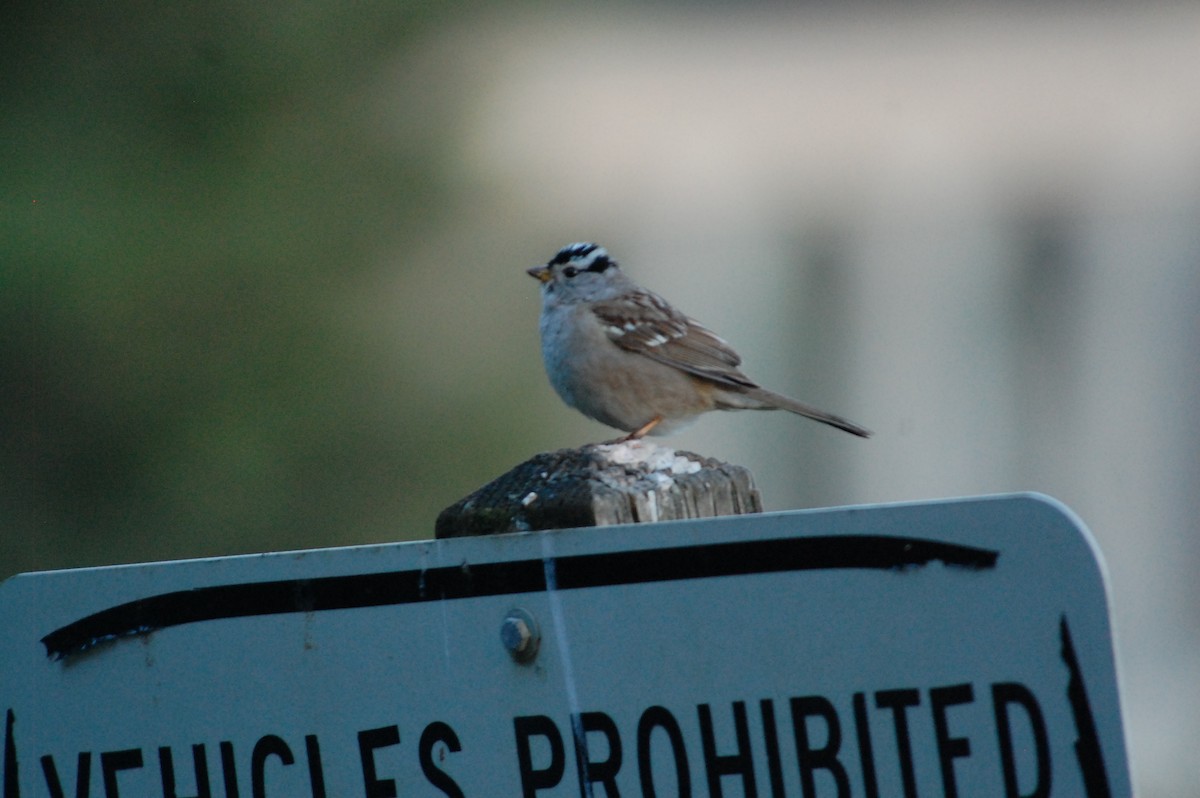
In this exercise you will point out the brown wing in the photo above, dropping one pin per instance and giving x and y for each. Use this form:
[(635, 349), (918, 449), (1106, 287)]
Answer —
[(644, 323)]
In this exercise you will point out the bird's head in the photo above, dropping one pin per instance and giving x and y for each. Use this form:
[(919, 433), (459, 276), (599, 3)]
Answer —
[(580, 271)]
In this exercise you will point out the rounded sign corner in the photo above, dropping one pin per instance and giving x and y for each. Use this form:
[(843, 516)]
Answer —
[(1063, 513)]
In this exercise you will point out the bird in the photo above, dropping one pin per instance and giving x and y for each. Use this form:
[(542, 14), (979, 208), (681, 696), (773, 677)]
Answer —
[(624, 356)]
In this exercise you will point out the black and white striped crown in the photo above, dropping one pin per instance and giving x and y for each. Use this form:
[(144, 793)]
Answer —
[(585, 256)]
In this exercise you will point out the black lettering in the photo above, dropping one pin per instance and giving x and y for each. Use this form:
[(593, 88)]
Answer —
[(737, 764), (866, 752), (199, 766), (1003, 695), (12, 785), (113, 761), (533, 780), (270, 745), (824, 758), (316, 772), (949, 748), (83, 776), (771, 740), (228, 769), (368, 741), (438, 732), (899, 701), (661, 718), (604, 771)]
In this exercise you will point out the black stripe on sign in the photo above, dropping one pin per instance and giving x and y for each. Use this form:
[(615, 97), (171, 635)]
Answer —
[(1087, 744), (505, 578), (12, 788)]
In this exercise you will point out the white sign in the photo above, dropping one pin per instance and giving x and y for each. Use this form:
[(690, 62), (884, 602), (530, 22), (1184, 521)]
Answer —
[(957, 648)]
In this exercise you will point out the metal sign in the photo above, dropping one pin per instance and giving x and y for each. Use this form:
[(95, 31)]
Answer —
[(957, 648)]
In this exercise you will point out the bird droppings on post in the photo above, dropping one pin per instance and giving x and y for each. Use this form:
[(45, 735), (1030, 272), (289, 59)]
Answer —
[(602, 484), (659, 459)]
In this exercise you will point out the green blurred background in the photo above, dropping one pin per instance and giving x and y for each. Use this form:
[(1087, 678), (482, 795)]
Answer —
[(193, 195), (261, 267)]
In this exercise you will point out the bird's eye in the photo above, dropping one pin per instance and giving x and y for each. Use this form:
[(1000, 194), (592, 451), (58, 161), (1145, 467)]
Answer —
[(570, 271)]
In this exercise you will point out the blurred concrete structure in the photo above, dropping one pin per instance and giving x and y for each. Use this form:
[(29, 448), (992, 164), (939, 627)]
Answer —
[(976, 231)]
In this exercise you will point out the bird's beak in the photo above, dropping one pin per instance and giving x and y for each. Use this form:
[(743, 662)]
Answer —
[(539, 273)]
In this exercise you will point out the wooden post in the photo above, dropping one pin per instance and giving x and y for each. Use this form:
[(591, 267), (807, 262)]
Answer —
[(601, 484)]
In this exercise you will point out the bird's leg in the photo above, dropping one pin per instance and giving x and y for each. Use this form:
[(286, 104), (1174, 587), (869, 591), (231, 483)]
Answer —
[(641, 431)]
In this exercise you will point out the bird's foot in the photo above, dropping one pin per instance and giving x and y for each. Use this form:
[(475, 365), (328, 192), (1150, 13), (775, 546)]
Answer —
[(638, 433)]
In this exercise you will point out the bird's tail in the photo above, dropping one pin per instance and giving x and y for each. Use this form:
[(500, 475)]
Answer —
[(771, 401)]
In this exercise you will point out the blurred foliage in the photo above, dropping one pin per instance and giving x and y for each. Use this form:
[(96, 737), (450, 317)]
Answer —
[(185, 189)]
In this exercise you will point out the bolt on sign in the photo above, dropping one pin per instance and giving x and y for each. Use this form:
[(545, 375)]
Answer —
[(956, 648)]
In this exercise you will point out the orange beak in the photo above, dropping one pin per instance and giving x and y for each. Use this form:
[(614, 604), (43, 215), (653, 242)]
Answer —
[(539, 273)]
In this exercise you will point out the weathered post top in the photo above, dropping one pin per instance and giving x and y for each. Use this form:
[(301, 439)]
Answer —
[(601, 484)]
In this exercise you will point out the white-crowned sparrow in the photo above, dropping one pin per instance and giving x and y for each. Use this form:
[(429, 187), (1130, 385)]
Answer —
[(624, 357)]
